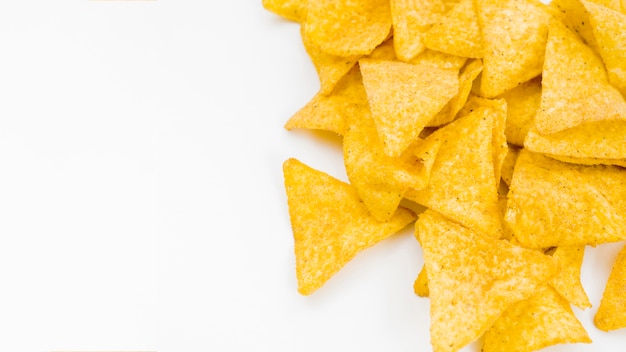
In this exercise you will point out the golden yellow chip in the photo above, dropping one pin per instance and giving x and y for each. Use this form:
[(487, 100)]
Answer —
[(609, 29), (575, 88), (602, 142), (380, 180), (330, 68), (462, 184), (347, 27), (574, 16), (457, 33), (613, 5), (294, 10), (473, 278), (554, 204), (439, 60), (411, 19), (498, 110), (508, 165), (543, 320), (466, 79), (567, 282), (404, 97), (611, 313), (384, 51), (330, 224), (514, 37), (331, 112), (522, 103), (421, 284)]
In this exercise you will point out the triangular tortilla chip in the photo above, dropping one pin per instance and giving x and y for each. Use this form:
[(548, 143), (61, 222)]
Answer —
[(380, 180), (294, 10), (609, 29), (522, 104), (411, 19), (466, 79), (601, 142), (462, 185), (514, 37), (543, 320), (574, 16), (498, 111), (330, 224), (330, 68), (457, 33), (420, 286), (567, 283), (611, 313), (347, 27), (554, 204), (575, 88), (331, 112), (473, 278), (404, 97)]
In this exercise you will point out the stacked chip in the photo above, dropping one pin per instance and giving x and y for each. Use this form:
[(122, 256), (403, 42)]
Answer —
[(437, 102)]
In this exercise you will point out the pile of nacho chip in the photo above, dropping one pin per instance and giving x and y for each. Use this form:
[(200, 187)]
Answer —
[(505, 120)]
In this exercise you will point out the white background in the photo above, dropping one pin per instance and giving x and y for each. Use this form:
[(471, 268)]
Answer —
[(141, 193)]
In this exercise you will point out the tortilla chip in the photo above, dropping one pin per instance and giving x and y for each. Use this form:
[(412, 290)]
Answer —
[(554, 204), (462, 185), (411, 19), (380, 180), (602, 142), (331, 112), (508, 165), (575, 88), (439, 60), (384, 51), (457, 33), (498, 108), (567, 282), (404, 97), (293, 10), (575, 17), (609, 29), (347, 27), (330, 68), (330, 224), (466, 79), (473, 278), (522, 103), (514, 37), (543, 320), (611, 313), (421, 283)]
